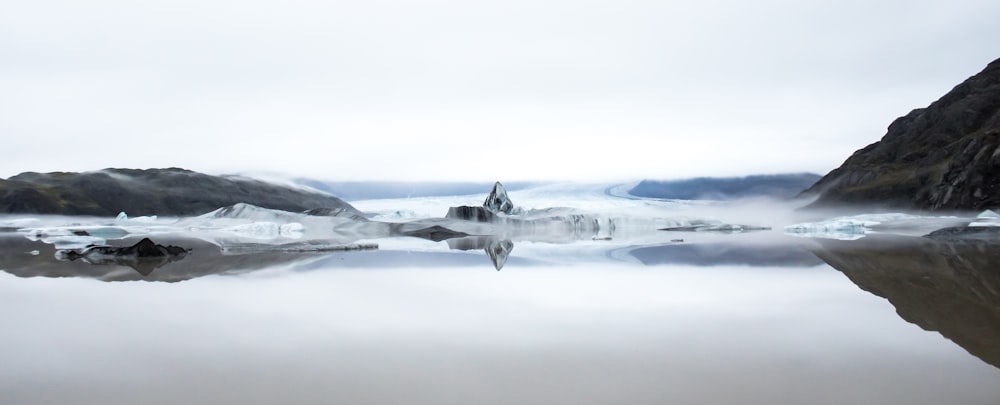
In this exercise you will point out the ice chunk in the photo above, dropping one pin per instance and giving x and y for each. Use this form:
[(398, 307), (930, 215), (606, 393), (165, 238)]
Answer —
[(842, 229), (121, 216), (988, 214), (986, 218), (73, 237), (498, 201), (851, 228), (268, 230)]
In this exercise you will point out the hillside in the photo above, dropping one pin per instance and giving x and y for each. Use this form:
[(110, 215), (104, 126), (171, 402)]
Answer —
[(726, 188), (942, 157), (167, 192)]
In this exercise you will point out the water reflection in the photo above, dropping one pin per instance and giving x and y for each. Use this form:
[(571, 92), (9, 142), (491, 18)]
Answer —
[(585, 322), (25, 258), (726, 254), (952, 287), (497, 249)]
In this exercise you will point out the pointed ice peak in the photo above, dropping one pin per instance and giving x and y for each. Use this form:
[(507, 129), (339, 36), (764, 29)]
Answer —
[(989, 214), (498, 201)]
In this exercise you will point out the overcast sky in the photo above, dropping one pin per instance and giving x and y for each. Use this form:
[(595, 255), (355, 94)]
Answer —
[(464, 90)]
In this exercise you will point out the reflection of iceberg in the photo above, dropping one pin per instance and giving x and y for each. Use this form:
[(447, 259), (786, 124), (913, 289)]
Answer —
[(498, 251), (202, 259)]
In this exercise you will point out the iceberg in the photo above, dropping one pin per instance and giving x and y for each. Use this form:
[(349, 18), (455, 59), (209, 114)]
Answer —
[(498, 201), (122, 216), (986, 218), (856, 227)]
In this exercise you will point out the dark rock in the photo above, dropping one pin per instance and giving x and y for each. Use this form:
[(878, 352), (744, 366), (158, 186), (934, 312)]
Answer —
[(144, 256), (166, 192), (966, 232), (943, 157), (710, 188)]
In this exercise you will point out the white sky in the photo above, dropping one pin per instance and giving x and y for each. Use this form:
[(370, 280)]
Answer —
[(462, 90)]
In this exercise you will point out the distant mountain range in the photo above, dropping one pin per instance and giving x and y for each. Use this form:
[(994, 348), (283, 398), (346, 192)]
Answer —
[(180, 192), (169, 192), (729, 188), (942, 157), (375, 190)]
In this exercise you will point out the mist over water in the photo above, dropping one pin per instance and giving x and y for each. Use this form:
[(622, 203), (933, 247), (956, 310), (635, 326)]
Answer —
[(643, 316)]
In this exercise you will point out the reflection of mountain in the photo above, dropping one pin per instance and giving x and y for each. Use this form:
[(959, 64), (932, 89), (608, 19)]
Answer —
[(498, 250), (726, 254), (949, 287), (18, 257), (144, 256)]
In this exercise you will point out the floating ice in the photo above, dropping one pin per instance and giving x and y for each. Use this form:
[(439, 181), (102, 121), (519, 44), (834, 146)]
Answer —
[(988, 214), (856, 227), (124, 217), (73, 237), (842, 229), (268, 230)]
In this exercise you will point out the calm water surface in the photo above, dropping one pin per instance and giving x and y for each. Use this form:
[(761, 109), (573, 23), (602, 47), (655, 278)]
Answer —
[(705, 322)]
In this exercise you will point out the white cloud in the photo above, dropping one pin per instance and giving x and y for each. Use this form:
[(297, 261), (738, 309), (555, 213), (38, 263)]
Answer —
[(473, 90)]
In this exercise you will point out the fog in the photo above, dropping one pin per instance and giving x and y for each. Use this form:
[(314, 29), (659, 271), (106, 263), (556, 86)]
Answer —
[(452, 91)]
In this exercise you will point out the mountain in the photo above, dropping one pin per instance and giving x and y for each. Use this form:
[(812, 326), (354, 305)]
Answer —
[(169, 192), (374, 190), (731, 188), (942, 157)]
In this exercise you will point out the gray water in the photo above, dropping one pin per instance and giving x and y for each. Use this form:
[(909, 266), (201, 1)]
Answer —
[(717, 320)]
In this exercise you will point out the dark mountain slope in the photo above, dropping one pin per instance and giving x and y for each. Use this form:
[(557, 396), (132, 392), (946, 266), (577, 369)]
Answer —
[(727, 188), (149, 192), (943, 157)]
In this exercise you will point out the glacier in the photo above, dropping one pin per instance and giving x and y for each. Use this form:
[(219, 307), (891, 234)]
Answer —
[(583, 221)]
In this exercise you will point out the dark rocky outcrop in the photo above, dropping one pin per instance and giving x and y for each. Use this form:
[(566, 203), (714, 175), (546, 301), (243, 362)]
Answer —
[(144, 256), (950, 287), (943, 157), (166, 192)]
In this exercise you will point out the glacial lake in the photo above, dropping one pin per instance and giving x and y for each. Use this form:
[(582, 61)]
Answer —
[(758, 318)]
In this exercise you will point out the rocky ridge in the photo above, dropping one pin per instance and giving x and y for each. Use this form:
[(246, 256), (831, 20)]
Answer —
[(942, 157), (167, 192)]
